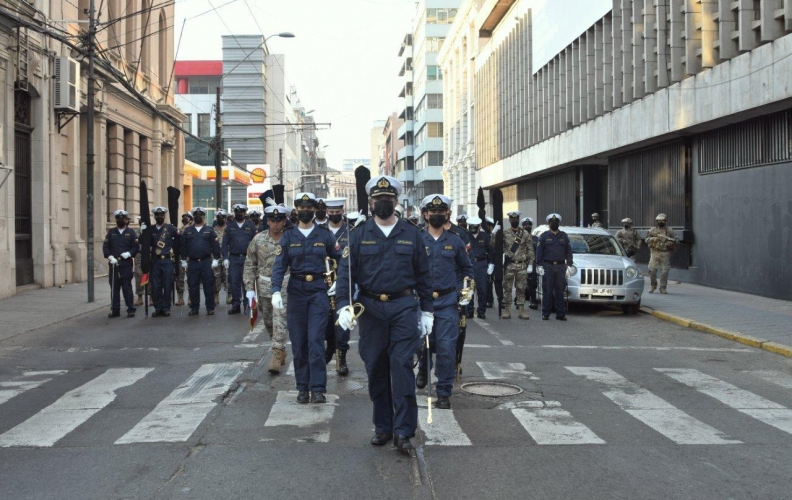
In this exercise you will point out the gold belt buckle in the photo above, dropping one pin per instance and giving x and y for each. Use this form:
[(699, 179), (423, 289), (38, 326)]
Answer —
[(383, 297), (435, 295), (309, 278)]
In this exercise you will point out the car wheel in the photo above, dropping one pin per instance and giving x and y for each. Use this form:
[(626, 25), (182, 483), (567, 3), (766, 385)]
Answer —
[(631, 309)]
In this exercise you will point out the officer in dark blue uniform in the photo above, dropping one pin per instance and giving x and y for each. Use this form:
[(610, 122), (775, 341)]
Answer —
[(337, 337), (303, 250), (554, 254), (164, 249), (388, 261), (255, 217), (200, 253), (483, 259), (238, 235), (530, 291), (321, 212), (448, 260), (120, 247)]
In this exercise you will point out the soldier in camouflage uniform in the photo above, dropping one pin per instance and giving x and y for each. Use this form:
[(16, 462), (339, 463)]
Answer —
[(518, 252), (260, 259), (220, 272), (629, 238), (595, 222), (181, 273), (661, 241)]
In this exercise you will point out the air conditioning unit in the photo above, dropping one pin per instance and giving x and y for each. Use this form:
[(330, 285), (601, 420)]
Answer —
[(67, 84)]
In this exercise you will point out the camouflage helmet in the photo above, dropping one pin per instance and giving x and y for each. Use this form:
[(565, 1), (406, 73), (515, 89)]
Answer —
[(661, 217)]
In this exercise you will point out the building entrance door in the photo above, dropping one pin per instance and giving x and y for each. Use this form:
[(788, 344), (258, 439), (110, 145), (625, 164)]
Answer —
[(23, 224)]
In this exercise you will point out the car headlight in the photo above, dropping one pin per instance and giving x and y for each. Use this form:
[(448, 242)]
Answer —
[(631, 272), (571, 271)]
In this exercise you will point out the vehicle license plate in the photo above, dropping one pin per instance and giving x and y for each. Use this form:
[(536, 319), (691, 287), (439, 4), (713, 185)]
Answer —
[(603, 292)]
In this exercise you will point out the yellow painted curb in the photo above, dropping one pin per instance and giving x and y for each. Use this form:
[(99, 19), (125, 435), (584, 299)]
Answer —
[(673, 319), (778, 348)]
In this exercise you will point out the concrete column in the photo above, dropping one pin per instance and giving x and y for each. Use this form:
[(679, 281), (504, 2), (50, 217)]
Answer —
[(607, 64), (709, 33), (627, 51), (638, 33), (727, 48), (692, 37), (617, 51), (663, 51), (583, 80), (553, 101), (677, 41), (147, 172), (651, 46), (576, 83), (771, 28), (132, 173), (748, 40), (116, 170), (599, 68), (563, 78)]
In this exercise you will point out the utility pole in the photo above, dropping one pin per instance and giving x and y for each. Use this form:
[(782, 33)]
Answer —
[(280, 166), (89, 149), (218, 156)]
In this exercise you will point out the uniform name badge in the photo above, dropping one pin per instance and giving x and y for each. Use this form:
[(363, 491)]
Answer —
[(278, 250), (346, 253)]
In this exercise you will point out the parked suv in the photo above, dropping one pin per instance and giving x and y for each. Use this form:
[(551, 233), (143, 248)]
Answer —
[(602, 274)]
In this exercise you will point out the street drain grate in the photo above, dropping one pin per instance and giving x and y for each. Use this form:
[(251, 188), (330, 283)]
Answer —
[(491, 389)]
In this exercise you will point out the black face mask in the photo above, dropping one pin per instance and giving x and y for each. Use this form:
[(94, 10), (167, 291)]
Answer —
[(437, 220), (384, 208), (514, 223), (474, 229), (256, 221), (627, 226), (185, 221), (528, 228), (321, 214), (121, 223), (160, 220), (661, 224), (463, 225), (239, 217), (199, 219), (335, 218), (554, 226), (221, 221), (305, 216)]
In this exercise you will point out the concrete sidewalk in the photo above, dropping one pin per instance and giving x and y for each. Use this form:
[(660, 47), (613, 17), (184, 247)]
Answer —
[(749, 319), (36, 309)]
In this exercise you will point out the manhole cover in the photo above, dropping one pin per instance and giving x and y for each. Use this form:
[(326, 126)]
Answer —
[(491, 389)]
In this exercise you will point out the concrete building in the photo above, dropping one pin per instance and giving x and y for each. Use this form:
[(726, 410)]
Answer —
[(350, 164), (43, 226), (630, 108), (405, 159), (390, 144), (375, 142), (342, 185), (457, 62)]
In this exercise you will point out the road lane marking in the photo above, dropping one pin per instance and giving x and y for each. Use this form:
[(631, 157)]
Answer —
[(444, 429), (625, 347), (495, 370), (552, 425), (177, 416), (286, 411), (774, 377), (486, 326), (25, 382), (652, 410), (74, 408), (746, 402)]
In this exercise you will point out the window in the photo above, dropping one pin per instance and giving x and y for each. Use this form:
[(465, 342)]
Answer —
[(440, 16), (434, 73), (204, 123), (164, 75), (187, 125), (434, 130), (203, 85)]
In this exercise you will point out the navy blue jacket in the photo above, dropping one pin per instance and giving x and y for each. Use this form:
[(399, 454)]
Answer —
[(199, 245), (236, 239), (448, 262), (553, 248), (164, 241), (480, 247), (116, 243), (386, 265), (303, 255)]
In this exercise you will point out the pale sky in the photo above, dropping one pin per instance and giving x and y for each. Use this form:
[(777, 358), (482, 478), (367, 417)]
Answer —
[(344, 60)]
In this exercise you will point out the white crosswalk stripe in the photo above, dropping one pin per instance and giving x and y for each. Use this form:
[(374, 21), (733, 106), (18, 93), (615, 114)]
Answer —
[(774, 377), (500, 371), (744, 401), (178, 415), (652, 410), (549, 424), (444, 429), (75, 407), (25, 382), (287, 412)]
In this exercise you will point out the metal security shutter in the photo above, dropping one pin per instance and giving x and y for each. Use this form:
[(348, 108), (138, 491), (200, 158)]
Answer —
[(558, 193)]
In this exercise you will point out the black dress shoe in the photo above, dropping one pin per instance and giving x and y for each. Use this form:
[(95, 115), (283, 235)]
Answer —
[(533, 305), (443, 403), (193, 312), (166, 313), (130, 315), (420, 379), (561, 318), (156, 314), (381, 439), (489, 305), (481, 316), (114, 315), (210, 312), (302, 397), (403, 444), (318, 398), (234, 310), (470, 315), (545, 317)]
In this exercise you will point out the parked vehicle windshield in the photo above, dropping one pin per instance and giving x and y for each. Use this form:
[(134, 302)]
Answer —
[(597, 244)]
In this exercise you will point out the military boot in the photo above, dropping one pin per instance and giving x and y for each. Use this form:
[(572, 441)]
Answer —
[(139, 301), (276, 361), (523, 314), (506, 313), (652, 288), (180, 299), (342, 364)]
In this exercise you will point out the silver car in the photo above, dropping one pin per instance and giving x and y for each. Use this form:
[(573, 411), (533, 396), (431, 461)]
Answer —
[(602, 274)]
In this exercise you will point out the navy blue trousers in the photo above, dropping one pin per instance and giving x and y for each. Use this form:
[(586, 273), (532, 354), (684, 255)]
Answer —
[(482, 282), (201, 273), (389, 339), (236, 268), (120, 278), (553, 286), (161, 283), (443, 343), (306, 317)]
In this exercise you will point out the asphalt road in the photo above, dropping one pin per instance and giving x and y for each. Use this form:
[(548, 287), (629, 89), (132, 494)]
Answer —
[(613, 406)]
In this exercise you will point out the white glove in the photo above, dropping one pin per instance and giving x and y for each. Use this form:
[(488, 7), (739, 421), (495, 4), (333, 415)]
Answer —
[(540, 271), (496, 228), (346, 318), (215, 263), (277, 300), (126, 255), (113, 261), (184, 264), (331, 290), (143, 226), (226, 263), (490, 269), (465, 301), (427, 321), (530, 268), (269, 201), (360, 220), (251, 296)]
